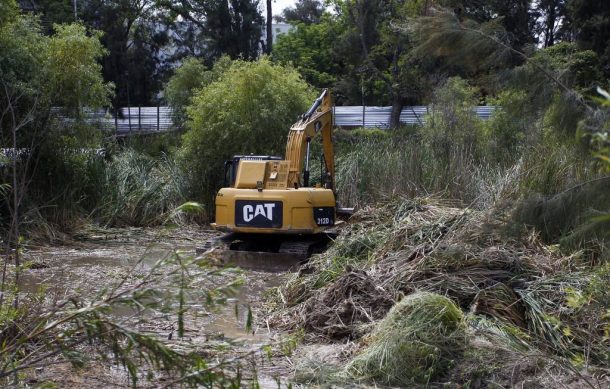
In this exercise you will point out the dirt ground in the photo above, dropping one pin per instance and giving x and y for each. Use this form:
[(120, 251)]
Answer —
[(98, 258)]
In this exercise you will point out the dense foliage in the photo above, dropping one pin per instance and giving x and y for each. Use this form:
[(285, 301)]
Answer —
[(44, 77), (541, 62), (191, 76)]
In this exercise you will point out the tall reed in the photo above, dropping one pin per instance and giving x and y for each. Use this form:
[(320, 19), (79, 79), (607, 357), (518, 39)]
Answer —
[(141, 190), (370, 168)]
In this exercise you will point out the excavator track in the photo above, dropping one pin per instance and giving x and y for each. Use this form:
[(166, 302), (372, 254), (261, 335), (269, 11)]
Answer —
[(265, 253)]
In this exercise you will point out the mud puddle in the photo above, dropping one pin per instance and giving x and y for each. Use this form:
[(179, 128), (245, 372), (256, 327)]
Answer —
[(94, 262)]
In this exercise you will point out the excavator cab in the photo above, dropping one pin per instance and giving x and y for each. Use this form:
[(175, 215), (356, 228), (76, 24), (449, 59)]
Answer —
[(232, 165)]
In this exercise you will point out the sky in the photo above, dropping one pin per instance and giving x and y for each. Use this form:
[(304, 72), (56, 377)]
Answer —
[(278, 5)]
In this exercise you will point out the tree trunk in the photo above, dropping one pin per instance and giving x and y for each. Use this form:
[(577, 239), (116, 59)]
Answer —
[(269, 30), (397, 105), (551, 19), (397, 100)]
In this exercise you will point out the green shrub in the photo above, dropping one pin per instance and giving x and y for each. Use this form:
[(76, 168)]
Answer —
[(568, 217), (248, 110), (65, 183), (414, 343), (509, 125), (551, 167)]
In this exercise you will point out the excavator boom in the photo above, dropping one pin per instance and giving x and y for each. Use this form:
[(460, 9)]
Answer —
[(312, 123)]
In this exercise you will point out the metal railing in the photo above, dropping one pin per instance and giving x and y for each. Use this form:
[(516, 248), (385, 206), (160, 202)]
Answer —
[(147, 120), (130, 120), (379, 117)]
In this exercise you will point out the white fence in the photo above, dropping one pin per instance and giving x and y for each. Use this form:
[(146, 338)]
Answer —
[(131, 120), (147, 120), (379, 117)]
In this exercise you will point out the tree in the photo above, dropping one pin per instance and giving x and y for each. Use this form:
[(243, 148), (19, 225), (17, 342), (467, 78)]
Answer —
[(133, 35), (516, 18), (231, 27), (8, 10), (57, 12), (249, 109), (46, 71), (576, 74), (38, 72), (461, 45), (360, 22), (551, 16), (269, 32), (73, 73), (190, 77), (309, 48), (589, 22), (187, 39), (378, 67), (304, 11)]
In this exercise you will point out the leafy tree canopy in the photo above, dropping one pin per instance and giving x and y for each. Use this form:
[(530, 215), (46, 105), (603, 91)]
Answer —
[(74, 73), (231, 27), (590, 23), (8, 9), (22, 55), (190, 77), (38, 72), (377, 65), (304, 11), (58, 11), (309, 48), (134, 36), (515, 16)]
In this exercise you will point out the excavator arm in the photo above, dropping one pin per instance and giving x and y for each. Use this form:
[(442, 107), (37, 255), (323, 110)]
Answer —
[(317, 120)]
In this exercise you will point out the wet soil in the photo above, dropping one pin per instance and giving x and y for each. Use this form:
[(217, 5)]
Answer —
[(96, 258)]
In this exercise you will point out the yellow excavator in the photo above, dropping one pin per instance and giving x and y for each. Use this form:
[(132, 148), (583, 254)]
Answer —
[(267, 205)]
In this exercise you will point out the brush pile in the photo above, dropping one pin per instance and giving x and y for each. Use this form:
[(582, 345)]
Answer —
[(477, 259), (352, 298)]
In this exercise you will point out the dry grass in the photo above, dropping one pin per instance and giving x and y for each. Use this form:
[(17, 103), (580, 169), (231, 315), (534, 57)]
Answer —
[(470, 256)]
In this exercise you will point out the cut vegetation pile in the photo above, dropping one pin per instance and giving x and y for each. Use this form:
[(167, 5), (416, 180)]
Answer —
[(416, 341), (504, 276)]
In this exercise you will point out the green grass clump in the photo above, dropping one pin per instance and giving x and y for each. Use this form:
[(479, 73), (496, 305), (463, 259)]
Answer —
[(414, 343)]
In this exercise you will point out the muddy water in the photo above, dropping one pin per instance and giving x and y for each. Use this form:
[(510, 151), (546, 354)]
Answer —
[(97, 260)]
